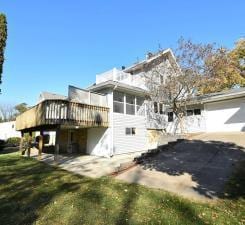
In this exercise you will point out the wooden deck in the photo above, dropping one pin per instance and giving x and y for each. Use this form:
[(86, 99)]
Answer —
[(63, 113)]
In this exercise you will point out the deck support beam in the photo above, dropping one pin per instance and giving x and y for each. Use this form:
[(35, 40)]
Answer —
[(40, 145), (21, 143), (29, 144), (57, 143)]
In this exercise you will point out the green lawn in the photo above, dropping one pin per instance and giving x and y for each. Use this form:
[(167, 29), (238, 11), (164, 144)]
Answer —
[(35, 193)]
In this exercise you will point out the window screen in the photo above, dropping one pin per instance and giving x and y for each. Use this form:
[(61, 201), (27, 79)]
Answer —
[(130, 109), (118, 107), (130, 104), (118, 102), (130, 99), (130, 131), (118, 96)]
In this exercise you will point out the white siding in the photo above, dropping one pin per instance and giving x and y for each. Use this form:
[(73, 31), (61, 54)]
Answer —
[(192, 124), (123, 143), (99, 141), (86, 97), (195, 123), (226, 115)]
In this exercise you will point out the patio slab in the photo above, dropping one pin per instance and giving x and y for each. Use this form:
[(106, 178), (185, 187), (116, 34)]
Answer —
[(86, 165), (197, 168)]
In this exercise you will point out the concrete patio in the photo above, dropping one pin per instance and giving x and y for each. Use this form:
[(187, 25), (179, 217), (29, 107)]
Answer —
[(86, 165), (197, 168)]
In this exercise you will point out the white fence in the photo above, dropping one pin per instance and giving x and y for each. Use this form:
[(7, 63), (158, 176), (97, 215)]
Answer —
[(86, 97), (136, 80)]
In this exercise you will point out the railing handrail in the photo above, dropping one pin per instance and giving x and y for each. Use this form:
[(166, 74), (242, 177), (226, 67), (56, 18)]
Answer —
[(51, 111)]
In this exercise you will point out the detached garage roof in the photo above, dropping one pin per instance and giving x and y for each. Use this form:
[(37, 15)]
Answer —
[(219, 96)]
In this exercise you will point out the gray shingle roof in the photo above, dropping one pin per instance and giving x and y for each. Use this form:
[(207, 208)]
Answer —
[(118, 85), (51, 96), (222, 95)]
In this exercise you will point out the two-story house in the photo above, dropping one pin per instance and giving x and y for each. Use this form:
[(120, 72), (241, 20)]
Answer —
[(112, 116), (117, 114)]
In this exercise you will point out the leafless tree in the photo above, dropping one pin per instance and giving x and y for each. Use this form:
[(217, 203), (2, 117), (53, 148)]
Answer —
[(178, 77), (7, 112)]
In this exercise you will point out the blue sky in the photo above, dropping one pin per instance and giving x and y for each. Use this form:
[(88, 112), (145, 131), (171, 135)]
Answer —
[(52, 44)]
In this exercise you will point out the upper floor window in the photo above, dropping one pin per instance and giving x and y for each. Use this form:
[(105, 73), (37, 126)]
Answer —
[(130, 104), (139, 105), (191, 112), (127, 104), (118, 96), (118, 102), (158, 107)]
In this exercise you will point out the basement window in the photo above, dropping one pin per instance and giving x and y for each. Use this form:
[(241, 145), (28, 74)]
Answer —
[(130, 131)]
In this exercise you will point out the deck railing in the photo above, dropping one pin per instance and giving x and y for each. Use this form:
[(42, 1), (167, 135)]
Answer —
[(63, 112)]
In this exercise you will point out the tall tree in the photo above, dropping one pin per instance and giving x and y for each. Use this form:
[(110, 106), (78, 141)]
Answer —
[(3, 38), (20, 108), (223, 70), (181, 80), (238, 55), (7, 112), (200, 69)]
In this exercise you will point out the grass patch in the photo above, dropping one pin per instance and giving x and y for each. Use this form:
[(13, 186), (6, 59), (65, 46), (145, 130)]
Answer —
[(34, 193)]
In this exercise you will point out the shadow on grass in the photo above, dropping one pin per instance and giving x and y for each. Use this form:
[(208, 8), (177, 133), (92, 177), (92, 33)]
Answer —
[(7, 150), (33, 192), (235, 187), (28, 186), (210, 164)]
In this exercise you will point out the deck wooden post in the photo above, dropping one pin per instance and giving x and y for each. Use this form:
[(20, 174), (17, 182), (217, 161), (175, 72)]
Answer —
[(57, 145), (40, 145), (21, 143), (29, 144)]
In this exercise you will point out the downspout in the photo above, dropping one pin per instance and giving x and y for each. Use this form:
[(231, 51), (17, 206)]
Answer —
[(112, 125)]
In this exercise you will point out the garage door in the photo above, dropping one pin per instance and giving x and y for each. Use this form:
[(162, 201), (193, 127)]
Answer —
[(226, 115)]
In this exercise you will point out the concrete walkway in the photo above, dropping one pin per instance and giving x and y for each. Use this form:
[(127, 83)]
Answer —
[(87, 165), (197, 168)]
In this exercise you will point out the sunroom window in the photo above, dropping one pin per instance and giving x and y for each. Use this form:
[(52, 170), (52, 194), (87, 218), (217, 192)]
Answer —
[(118, 102), (139, 105), (130, 104)]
